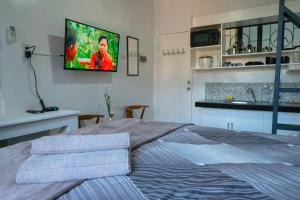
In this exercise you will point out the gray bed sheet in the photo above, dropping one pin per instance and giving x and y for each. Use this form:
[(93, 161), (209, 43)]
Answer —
[(160, 173), (12, 157)]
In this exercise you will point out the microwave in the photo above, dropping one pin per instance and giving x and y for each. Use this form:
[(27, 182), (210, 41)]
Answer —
[(205, 38)]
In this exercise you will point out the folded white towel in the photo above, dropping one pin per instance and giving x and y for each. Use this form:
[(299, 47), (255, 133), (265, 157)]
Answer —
[(40, 168), (80, 143)]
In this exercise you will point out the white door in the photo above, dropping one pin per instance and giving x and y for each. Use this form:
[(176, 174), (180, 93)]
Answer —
[(174, 87)]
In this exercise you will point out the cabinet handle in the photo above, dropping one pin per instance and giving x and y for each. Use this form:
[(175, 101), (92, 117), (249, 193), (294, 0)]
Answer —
[(231, 126), (227, 125)]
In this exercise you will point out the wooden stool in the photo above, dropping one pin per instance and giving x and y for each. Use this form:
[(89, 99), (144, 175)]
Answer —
[(129, 110)]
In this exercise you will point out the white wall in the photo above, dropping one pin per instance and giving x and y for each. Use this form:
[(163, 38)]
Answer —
[(172, 16), (41, 22), (2, 100)]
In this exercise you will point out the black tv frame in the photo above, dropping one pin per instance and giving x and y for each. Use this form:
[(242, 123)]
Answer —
[(94, 70)]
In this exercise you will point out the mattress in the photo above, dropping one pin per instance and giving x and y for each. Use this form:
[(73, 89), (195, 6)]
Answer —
[(159, 172)]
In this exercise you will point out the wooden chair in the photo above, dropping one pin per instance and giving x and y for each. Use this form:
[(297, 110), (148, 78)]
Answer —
[(129, 110), (89, 117)]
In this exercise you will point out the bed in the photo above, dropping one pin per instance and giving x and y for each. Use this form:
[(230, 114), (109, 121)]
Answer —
[(160, 170)]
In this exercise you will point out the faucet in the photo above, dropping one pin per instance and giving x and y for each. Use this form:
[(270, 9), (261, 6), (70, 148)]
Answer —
[(249, 90)]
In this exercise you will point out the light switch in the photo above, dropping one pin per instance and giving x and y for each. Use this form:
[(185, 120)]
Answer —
[(11, 36)]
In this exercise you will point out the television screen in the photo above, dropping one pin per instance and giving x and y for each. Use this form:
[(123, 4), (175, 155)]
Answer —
[(90, 48)]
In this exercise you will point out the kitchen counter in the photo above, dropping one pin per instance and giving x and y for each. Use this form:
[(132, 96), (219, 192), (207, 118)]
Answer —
[(260, 106)]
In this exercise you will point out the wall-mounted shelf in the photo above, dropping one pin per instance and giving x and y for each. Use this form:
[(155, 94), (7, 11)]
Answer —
[(217, 52), (259, 54), (206, 47), (245, 67)]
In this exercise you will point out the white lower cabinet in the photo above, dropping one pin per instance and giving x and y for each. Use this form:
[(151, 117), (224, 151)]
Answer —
[(244, 120), (239, 120), (284, 118), (211, 117)]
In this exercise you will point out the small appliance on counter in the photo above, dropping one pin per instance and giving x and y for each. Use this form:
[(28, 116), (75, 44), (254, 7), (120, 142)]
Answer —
[(227, 64), (235, 50), (205, 38), (250, 49), (205, 61), (230, 64), (249, 63), (272, 60), (268, 49), (232, 50)]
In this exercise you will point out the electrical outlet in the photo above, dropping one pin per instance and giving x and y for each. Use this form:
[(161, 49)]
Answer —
[(27, 51), (11, 36)]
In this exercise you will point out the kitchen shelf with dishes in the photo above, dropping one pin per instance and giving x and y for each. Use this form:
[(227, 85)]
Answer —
[(260, 53), (248, 46), (287, 66)]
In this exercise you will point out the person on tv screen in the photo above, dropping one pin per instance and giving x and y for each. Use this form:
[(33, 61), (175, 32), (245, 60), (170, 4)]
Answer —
[(71, 47), (101, 59)]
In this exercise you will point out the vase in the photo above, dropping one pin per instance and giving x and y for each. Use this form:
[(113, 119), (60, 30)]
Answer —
[(110, 116)]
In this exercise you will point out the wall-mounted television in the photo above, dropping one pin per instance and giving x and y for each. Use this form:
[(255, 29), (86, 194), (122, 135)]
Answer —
[(90, 48)]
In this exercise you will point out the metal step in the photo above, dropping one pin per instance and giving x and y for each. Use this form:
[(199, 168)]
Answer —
[(292, 16), (295, 19), (288, 127), (289, 90)]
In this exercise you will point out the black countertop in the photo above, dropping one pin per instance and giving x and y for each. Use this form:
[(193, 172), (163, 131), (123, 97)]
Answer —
[(260, 106)]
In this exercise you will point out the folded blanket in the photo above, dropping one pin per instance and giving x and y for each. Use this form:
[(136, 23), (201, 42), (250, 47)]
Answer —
[(79, 143), (73, 166), (215, 154)]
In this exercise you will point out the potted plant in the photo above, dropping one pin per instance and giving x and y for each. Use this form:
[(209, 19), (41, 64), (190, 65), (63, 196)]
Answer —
[(108, 104)]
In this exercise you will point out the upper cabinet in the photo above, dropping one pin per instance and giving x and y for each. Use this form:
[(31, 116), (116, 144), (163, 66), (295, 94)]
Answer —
[(241, 40)]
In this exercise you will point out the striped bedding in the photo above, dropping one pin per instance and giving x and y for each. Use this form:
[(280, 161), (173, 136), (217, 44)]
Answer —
[(159, 173)]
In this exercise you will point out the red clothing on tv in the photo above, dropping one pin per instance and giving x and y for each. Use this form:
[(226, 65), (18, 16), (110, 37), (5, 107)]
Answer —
[(105, 62)]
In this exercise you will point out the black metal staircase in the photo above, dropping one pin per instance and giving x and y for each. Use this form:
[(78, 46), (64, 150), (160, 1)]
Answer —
[(284, 12)]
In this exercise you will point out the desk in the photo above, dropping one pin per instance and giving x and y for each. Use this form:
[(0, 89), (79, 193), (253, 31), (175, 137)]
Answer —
[(25, 123)]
